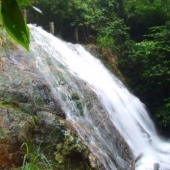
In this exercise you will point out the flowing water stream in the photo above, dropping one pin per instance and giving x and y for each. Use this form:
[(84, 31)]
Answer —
[(119, 108)]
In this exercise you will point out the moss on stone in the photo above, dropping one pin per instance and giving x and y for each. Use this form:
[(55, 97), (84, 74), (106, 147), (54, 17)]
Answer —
[(75, 96), (72, 153)]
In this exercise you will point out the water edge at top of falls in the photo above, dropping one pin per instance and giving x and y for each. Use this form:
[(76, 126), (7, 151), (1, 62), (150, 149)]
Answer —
[(121, 108)]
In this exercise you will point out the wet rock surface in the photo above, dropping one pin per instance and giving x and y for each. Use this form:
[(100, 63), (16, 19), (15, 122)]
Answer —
[(32, 112), (29, 113)]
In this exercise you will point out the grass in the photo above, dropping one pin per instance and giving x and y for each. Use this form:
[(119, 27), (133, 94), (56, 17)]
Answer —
[(37, 161)]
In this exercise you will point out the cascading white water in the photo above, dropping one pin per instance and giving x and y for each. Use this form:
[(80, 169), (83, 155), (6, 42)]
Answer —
[(124, 110)]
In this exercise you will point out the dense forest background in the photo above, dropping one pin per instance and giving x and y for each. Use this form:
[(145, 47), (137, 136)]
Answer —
[(135, 32)]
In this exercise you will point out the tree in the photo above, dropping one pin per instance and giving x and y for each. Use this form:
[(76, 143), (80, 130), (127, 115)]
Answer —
[(67, 15), (143, 14), (147, 67)]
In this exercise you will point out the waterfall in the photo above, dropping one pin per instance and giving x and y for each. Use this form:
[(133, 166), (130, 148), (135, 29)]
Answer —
[(118, 109)]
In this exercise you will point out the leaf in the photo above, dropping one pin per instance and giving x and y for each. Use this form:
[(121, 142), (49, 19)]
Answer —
[(14, 23), (0, 13), (24, 3), (167, 105)]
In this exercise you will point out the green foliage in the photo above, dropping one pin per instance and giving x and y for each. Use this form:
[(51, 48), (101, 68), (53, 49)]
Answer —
[(24, 3), (163, 114), (148, 69), (106, 41), (13, 21), (34, 160), (67, 15), (114, 35), (109, 24), (143, 14)]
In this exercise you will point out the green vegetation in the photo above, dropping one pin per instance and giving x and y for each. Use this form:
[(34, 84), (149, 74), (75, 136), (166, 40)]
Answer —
[(36, 160), (147, 67), (12, 20)]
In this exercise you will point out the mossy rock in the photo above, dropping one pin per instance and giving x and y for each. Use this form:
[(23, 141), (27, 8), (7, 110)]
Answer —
[(72, 153), (16, 127)]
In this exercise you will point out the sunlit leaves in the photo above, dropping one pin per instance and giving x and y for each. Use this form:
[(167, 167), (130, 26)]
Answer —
[(105, 41)]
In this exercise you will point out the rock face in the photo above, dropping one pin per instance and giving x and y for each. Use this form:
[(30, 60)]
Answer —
[(30, 116), (16, 128), (31, 112)]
